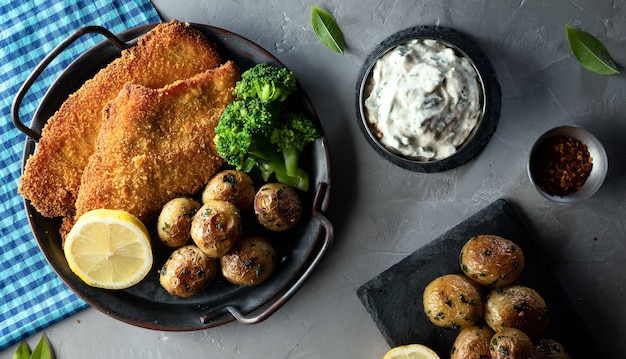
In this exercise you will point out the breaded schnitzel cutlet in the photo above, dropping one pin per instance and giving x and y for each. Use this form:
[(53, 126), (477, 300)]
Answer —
[(169, 52), (155, 145)]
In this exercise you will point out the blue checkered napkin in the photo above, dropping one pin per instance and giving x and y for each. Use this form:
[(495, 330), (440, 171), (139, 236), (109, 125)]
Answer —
[(31, 295)]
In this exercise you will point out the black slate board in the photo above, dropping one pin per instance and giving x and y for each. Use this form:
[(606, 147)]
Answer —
[(394, 297)]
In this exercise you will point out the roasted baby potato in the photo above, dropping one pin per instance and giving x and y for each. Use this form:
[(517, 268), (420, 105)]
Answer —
[(252, 262), (491, 260), (174, 221), (517, 307), (551, 349), (453, 301), (232, 186), (187, 271), (277, 207), (511, 343), (216, 228), (472, 343)]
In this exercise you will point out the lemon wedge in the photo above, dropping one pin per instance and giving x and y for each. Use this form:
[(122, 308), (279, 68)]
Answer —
[(411, 351), (109, 249)]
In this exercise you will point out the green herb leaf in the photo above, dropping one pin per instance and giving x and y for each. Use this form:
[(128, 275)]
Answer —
[(22, 352), (326, 29), (590, 52), (42, 350)]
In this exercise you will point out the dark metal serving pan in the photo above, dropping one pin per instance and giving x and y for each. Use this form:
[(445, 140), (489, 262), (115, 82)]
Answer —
[(147, 304)]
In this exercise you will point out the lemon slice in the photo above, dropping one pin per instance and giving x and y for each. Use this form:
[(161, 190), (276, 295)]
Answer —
[(411, 351), (109, 249)]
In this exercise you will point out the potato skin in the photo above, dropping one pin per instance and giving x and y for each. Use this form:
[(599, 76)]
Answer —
[(472, 343), (232, 186), (187, 271), (511, 343), (491, 260), (174, 221), (453, 301), (251, 263), (551, 349), (518, 307), (277, 207), (216, 228)]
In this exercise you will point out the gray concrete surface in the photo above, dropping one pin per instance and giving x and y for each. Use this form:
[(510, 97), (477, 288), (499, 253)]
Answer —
[(383, 213)]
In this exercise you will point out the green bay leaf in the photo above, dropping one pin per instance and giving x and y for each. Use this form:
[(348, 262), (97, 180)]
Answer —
[(326, 29), (22, 351), (43, 349), (590, 52)]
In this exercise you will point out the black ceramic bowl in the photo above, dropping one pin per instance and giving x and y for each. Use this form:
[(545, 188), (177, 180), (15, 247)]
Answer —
[(489, 86), (147, 304)]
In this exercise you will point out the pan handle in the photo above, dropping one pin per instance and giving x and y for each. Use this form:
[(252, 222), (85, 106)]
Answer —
[(282, 299), (45, 62)]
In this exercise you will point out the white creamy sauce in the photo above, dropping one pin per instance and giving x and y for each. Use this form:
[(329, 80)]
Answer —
[(424, 99)]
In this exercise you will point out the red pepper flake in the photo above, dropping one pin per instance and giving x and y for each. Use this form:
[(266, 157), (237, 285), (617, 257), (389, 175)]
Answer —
[(560, 165)]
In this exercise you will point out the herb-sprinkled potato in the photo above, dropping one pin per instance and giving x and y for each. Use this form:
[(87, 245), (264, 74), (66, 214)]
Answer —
[(511, 343), (216, 227), (277, 207), (491, 260), (551, 349), (231, 186), (252, 262), (472, 343), (187, 271), (174, 221), (453, 301), (517, 307)]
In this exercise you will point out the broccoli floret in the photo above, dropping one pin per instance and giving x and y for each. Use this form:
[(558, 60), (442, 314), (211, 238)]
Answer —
[(295, 132), (242, 124), (267, 83), (253, 132)]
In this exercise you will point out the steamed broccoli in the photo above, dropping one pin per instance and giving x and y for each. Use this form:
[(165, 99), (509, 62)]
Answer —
[(293, 134), (253, 131), (267, 83), (241, 126)]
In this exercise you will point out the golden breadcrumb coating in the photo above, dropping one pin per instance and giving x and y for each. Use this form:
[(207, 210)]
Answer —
[(169, 52), (155, 145)]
